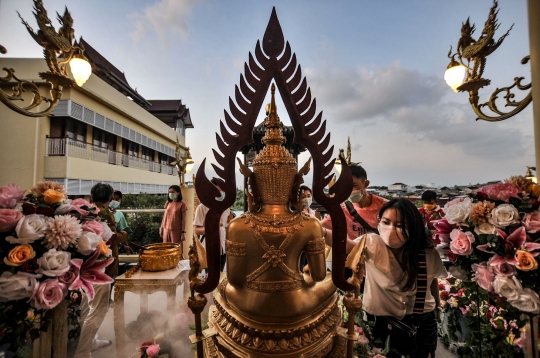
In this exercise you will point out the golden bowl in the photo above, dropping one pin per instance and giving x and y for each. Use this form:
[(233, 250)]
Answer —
[(159, 257)]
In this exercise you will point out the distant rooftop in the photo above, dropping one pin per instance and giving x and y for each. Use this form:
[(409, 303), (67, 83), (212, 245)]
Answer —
[(169, 110), (105, 70)]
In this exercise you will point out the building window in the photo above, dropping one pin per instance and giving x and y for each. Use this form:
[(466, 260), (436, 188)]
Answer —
[(130, 148), (75, 130), (147, 154), (163, 159), (103, 139)]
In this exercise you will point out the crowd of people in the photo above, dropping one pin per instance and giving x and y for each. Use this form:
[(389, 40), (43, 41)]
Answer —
[(400, 293)]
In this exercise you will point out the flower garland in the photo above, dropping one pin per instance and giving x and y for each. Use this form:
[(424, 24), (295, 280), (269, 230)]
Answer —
[(51, 249)]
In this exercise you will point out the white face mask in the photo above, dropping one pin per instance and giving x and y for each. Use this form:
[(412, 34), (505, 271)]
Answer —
[(173, 196), (307, 202), (356, 196), (114, 204), (391, 235)]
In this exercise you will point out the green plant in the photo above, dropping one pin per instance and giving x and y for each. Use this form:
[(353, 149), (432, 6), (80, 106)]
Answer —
[(145, 226)]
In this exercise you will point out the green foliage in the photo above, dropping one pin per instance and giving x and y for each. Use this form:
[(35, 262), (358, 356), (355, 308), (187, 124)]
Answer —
[(239, 203), (145, 226)]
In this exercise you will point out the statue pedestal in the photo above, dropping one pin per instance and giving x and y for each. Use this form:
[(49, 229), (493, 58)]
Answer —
[(236, 336)]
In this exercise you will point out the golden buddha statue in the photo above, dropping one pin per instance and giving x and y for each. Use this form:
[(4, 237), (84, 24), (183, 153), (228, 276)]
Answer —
[(266, 306)]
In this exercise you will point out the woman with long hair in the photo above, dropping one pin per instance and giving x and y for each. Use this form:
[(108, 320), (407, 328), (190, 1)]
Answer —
[(401, 292), (173, 226)]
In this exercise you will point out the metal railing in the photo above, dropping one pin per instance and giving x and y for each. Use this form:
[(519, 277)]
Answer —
[(74, 148)]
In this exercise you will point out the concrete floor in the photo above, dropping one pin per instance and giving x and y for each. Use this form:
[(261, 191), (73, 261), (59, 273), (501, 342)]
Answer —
[(157, 302)]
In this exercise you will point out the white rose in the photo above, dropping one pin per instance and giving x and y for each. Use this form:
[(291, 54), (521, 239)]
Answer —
[(17, 286), (509, 287), (504, 215), (88, 243), (528, 301), (29, 229), (458, 272), (459, 212), (107, 232), (486, 229), (54, 263)]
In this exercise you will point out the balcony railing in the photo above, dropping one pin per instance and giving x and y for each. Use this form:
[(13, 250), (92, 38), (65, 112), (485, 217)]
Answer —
[(73, 148)]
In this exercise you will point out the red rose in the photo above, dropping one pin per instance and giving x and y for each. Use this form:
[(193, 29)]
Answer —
[(441, 286), (444, 295), (451, 256), (30, 266)]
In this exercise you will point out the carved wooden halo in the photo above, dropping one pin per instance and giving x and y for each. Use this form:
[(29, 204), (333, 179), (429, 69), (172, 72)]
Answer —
[(274, 61)]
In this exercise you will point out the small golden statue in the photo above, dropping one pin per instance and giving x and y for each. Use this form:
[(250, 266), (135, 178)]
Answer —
[(266, 306)]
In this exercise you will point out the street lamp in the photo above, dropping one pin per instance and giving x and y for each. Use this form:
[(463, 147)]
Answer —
[(529, 174), (57, 46), (467, 77), (183, 162)]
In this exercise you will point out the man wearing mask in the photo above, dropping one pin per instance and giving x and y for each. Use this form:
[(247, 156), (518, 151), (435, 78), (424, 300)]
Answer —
[(200, 216), (360, 210), (430, 212), (306, 200)]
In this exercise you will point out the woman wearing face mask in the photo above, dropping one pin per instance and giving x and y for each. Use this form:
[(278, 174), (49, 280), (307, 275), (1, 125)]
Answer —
[(173, 225), (398, 261)]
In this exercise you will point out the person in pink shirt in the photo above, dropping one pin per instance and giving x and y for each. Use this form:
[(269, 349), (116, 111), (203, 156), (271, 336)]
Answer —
[(365, 205), (173, 226)]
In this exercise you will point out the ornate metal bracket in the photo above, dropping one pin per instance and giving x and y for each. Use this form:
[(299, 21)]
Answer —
[(19, 87), (473, 87), (475, 52), (56, 45)]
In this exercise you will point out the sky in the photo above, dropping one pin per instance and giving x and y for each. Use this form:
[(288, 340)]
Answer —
[(375, 67)]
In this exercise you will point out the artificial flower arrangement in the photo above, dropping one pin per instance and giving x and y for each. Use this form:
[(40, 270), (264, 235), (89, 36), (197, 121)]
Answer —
[(50, 249), (490, 329), (492, 237)]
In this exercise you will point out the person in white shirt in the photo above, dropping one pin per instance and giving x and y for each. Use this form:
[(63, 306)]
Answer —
[(393, 274), (200, 216)]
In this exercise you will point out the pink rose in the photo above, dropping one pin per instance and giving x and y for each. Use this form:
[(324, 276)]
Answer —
[(501, 191), (93, 226), (9, 196), (80, 202), (67, 278), (152, 351), (461, 243), (484, 276), (531, 221), (9, 219), (49, 294), (77, 204), (502, 268)]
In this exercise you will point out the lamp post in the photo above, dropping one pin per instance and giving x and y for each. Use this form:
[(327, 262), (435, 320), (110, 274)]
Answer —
[(464, 73), (59, 50)]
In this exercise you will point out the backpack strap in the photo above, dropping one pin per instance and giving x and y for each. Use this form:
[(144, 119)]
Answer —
[(421, 284), (358, 218)]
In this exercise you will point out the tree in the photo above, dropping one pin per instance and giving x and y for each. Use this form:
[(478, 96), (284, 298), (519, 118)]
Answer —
[(239, 203)]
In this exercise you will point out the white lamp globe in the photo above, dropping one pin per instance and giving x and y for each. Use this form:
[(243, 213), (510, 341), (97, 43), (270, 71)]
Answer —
[(81, 70), (455, 76), (189, 166)]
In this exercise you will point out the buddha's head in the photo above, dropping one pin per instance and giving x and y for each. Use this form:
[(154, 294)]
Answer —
[(274, 167)]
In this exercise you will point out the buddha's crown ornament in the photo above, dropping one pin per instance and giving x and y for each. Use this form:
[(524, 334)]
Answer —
[(274, 167)]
